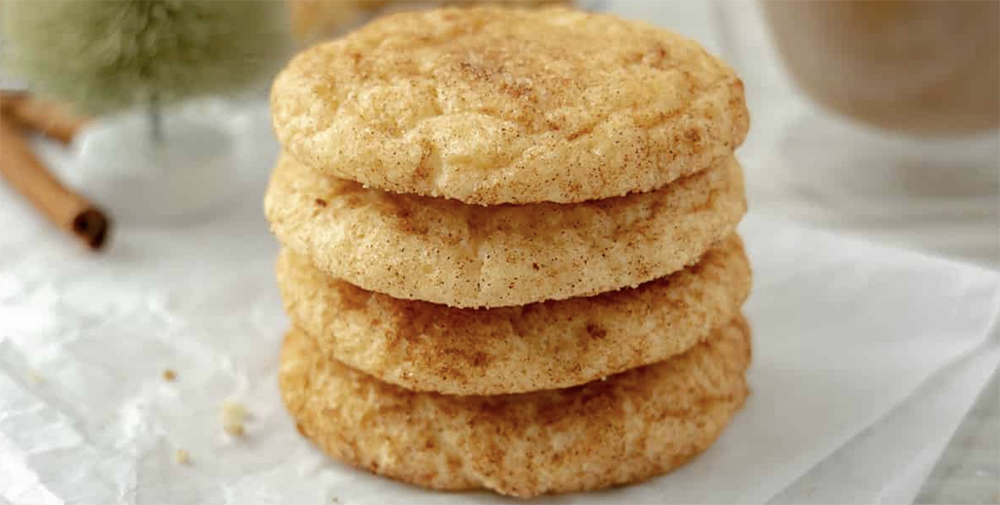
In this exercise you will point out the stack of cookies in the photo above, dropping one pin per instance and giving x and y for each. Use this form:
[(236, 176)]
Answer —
[(509, 251)]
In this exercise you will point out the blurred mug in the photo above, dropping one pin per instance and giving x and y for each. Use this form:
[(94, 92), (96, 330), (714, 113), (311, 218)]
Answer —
[(874, 116), (926, 67)]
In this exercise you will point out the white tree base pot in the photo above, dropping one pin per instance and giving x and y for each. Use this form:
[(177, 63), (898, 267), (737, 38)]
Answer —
[(192, 171)]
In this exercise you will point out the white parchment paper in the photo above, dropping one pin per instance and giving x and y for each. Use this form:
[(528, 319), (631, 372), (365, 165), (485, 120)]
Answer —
[(844, 332)]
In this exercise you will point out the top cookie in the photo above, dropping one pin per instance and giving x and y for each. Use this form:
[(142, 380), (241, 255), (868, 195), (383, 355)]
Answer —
[(491, 106)]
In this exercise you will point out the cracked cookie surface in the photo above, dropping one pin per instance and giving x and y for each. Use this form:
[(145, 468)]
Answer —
[(492, 105), (630, 427), (429, 347), (447, 252)]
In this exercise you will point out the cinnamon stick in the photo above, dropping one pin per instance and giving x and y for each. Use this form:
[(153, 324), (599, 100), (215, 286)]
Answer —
[(50, 118), (63, 207)]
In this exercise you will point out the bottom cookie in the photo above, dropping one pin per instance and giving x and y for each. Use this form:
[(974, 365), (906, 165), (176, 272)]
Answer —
[(626, 428)]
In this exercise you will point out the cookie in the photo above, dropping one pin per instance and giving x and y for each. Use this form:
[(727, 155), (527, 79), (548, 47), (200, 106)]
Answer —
[(443, 251), (632, 426), (491, 106), (430, 347)]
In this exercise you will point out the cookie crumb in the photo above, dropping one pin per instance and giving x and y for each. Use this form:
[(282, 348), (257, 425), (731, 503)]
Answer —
[(34, 376), (182, 457), (169, 375), (233, 415), (234, 429)]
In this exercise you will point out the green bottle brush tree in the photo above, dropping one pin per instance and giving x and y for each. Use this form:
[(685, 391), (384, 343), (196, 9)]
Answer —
[(128, 62)]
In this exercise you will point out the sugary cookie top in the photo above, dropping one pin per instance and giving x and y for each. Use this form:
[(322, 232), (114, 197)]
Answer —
[(490, 106), (446, 252)]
